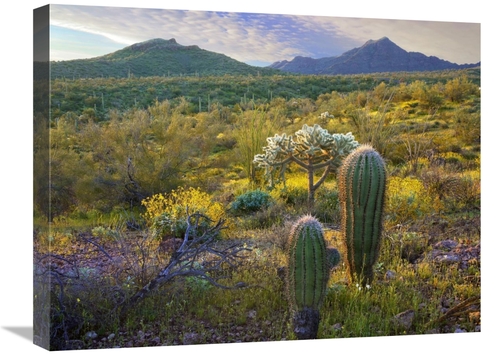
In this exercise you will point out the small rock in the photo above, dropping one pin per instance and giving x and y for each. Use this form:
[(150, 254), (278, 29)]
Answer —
[(446, 303), (447, 258), (337, 326), (75, 345), (111, 336), (190, 338), (91, 335), (447, 244), (405, 319), (390, 275)]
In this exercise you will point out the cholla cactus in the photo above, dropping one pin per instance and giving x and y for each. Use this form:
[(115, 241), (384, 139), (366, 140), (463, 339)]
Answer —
[(325, 116), (277, 150), (314, 148)]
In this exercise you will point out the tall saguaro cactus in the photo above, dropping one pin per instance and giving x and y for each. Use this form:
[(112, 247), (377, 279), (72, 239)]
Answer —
[(307, 275), (362, 184)]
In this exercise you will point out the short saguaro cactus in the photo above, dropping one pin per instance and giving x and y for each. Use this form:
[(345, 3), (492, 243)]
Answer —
[(307, 275), (332, 257), (362, 184)]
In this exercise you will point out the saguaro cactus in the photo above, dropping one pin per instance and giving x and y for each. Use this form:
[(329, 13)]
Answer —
[(332, 257), (362, 184), (307, 275)]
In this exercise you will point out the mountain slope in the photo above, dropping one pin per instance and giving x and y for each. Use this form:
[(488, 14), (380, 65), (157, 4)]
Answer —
[(156, 57), (382, 55)]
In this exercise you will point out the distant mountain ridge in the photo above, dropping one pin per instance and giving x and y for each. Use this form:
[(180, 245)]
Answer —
[(155, 57), (381, 55), (160, 57)]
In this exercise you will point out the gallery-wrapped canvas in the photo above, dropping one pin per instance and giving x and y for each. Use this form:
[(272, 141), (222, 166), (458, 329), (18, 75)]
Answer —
[(207, 177)]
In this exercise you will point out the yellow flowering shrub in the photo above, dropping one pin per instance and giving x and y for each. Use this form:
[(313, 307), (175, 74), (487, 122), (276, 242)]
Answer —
[(166, 213), (293, 192), (407, 200)]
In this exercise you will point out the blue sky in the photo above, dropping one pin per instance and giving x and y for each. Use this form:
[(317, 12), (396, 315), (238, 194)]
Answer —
[(253, 38)]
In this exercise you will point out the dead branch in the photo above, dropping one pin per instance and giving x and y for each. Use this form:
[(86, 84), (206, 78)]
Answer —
[(462, 307), (199, 255), (82, 236)]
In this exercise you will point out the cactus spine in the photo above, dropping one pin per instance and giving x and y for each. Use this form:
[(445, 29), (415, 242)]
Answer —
[(307, 275), (362, 184)]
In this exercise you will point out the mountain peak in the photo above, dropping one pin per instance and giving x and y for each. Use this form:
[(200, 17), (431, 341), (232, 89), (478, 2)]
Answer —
[(374, 56), (159, 41), (382, 41), (154, 43)]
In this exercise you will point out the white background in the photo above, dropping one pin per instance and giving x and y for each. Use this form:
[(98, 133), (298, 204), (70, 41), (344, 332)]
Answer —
[(16, 173)]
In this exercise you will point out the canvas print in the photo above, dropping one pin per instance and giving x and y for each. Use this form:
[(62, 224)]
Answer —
[(205, 177)]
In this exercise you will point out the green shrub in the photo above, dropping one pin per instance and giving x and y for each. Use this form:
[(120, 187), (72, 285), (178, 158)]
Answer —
[(327, 206), (294, 195), (105, 232), (166, 224), (251, 201), (265, 218)]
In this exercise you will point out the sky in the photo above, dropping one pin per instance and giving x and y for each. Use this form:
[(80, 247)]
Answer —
[(255, 38)]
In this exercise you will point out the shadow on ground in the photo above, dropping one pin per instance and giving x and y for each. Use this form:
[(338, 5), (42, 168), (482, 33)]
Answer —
[(23, 332)]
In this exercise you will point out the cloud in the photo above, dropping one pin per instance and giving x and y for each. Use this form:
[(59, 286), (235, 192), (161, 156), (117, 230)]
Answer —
[(71, 44), (454, 41), (252, 37)]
